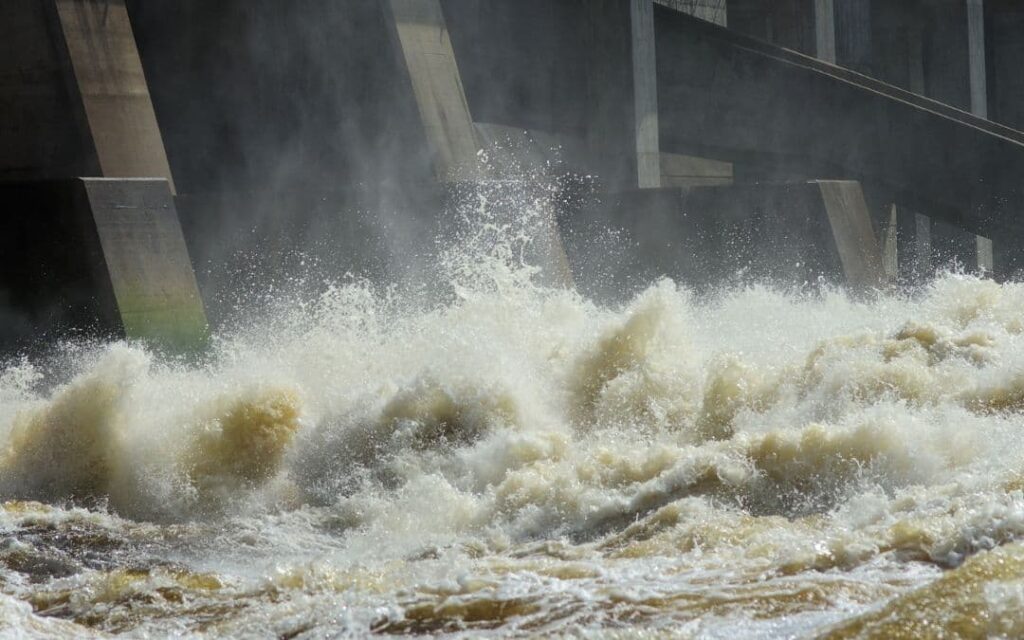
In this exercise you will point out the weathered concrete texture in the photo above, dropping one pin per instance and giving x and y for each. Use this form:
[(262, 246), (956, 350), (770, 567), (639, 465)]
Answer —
[(108, 76), (437, 83), (787, 23), (42, 135), (854, 35), (704, 236), (850, 220), (73, 98), (645, 94), (102, 257), (824, 30), (612, 95), (337, 110), (716, 11), (741, 100), (146, 260), (679, 170), (1005, 47)]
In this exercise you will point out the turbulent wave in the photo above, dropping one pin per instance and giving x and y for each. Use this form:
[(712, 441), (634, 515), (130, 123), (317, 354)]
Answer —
[(516, 459)]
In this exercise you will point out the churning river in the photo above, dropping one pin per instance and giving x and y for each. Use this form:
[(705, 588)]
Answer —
[(514, 460)]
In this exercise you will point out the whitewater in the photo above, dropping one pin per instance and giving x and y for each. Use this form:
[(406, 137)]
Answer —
[(511, 459)]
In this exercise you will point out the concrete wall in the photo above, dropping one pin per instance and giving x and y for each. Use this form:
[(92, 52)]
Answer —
[(294, 135), (1005, 48), (43, 133), (249, 93), (521, 62)]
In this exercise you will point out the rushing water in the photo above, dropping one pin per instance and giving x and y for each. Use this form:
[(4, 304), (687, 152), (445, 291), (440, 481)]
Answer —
[(515, 460)]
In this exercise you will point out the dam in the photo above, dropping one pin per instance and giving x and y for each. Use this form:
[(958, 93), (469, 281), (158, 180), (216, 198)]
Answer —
[(511, 318), (707, 128)]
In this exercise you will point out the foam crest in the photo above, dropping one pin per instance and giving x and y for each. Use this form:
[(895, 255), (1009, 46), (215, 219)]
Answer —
[(243, 444), (73, 445), (514, 443)]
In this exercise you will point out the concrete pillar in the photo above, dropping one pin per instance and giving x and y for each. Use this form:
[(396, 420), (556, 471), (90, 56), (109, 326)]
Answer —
[(979, 98), (74, 102), (922, 251), (107, 73), (1005, 23), (622, 93), (146, 260), (825, 30), (679, 170), (850, 220), (976, 55), (645, 94), (73, 96), (426, 45), (889, 243), (427, 48), (96, 255), (854, 39)]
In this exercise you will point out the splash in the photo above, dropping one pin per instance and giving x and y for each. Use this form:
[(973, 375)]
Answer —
[(514, 459)]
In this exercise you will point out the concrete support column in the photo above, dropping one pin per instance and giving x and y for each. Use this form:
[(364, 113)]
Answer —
[(104, 256), (854, 38), (979, 97), (622, 93), (645, 94), (913, 245), (976, 55), (73, 97), (434, 72), (679, 170), (106, 72), (102, 237), (850, 221), (825, 30)]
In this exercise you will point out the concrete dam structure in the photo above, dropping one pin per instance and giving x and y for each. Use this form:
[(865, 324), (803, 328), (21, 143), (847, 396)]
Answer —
[(507, 319), (156, 157)]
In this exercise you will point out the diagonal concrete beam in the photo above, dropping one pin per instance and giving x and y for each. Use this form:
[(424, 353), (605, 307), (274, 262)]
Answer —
[(427, 48), (145, 259), (105, 71), (850, 221)]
